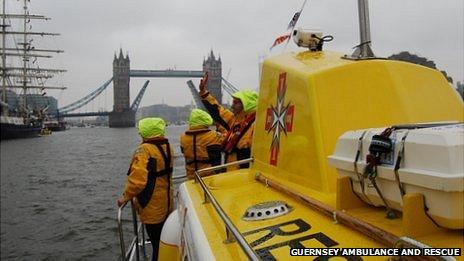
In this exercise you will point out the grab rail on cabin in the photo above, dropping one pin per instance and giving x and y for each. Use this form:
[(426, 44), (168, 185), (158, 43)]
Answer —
[(218, 167), (232, 233), (134, 245)]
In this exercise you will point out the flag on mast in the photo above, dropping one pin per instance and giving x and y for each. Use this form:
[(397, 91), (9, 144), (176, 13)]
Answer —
[(280, 40), (291, 26)]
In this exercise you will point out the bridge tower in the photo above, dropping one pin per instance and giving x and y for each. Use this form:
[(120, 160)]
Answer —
[(122, 115), (214, 68)]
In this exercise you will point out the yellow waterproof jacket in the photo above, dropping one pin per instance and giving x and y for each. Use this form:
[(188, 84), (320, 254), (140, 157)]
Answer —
[(201, 148), (233, 124), (149, 180)]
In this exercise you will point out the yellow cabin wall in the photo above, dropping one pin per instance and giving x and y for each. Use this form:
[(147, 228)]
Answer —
[(330, 95), (333, 95)]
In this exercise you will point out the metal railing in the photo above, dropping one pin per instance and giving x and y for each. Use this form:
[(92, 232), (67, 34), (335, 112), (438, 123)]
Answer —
[(134, 247), (232, 233)]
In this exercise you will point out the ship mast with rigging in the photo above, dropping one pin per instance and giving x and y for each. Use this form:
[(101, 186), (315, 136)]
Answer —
[(26, 77)]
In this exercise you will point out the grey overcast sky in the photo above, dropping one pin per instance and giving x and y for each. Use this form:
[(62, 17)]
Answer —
[(180, 33)]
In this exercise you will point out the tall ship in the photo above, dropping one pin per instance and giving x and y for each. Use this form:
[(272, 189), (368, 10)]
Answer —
[(353, 157), (24, 104)]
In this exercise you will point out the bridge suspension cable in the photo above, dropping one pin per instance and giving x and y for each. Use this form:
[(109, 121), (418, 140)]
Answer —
[(83, 101), (228, 87)]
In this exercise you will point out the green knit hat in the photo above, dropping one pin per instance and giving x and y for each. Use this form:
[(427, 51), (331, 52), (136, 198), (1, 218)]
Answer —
[(248, 98), (199, 118), (151, 127)]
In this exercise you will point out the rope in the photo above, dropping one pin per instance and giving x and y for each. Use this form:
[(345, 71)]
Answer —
[(380, 145), (398, 164), (358, 174)]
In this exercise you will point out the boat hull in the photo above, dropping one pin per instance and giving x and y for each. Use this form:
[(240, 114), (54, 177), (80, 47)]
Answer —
[(14, 131)]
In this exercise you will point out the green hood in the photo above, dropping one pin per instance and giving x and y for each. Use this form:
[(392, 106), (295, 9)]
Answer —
[(248, 98), (199, 118), (151, 127)]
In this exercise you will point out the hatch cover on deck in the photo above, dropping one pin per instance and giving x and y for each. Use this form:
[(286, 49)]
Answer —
[(266, 210)]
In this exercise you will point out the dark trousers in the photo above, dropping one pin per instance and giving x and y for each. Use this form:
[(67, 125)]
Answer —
[(154, 233)]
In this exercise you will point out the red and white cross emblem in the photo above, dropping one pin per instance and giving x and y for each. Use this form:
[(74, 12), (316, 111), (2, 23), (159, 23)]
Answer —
[(279, 118)]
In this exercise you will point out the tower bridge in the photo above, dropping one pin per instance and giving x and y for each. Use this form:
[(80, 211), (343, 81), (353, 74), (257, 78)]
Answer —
[(123, 114)]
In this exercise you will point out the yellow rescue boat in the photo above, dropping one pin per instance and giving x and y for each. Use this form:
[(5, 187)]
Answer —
[(291, 203), (291, 197)]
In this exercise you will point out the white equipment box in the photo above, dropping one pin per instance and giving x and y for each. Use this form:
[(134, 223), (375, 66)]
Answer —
[(432, 163)]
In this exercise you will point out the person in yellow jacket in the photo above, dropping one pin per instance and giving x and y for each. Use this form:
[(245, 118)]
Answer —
[(239, 122), (200, 145), (149, 179)]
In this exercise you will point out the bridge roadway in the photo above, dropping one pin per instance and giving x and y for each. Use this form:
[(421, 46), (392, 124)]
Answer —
[(166, 73), (84, 114), (132, 73)]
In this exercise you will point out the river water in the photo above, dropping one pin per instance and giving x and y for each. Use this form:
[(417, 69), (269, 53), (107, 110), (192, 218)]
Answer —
[(59, 192)]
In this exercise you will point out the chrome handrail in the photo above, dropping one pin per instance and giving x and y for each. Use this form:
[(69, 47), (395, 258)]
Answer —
[(230, 227), (135, 240), (238, 162), (121, 234)]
